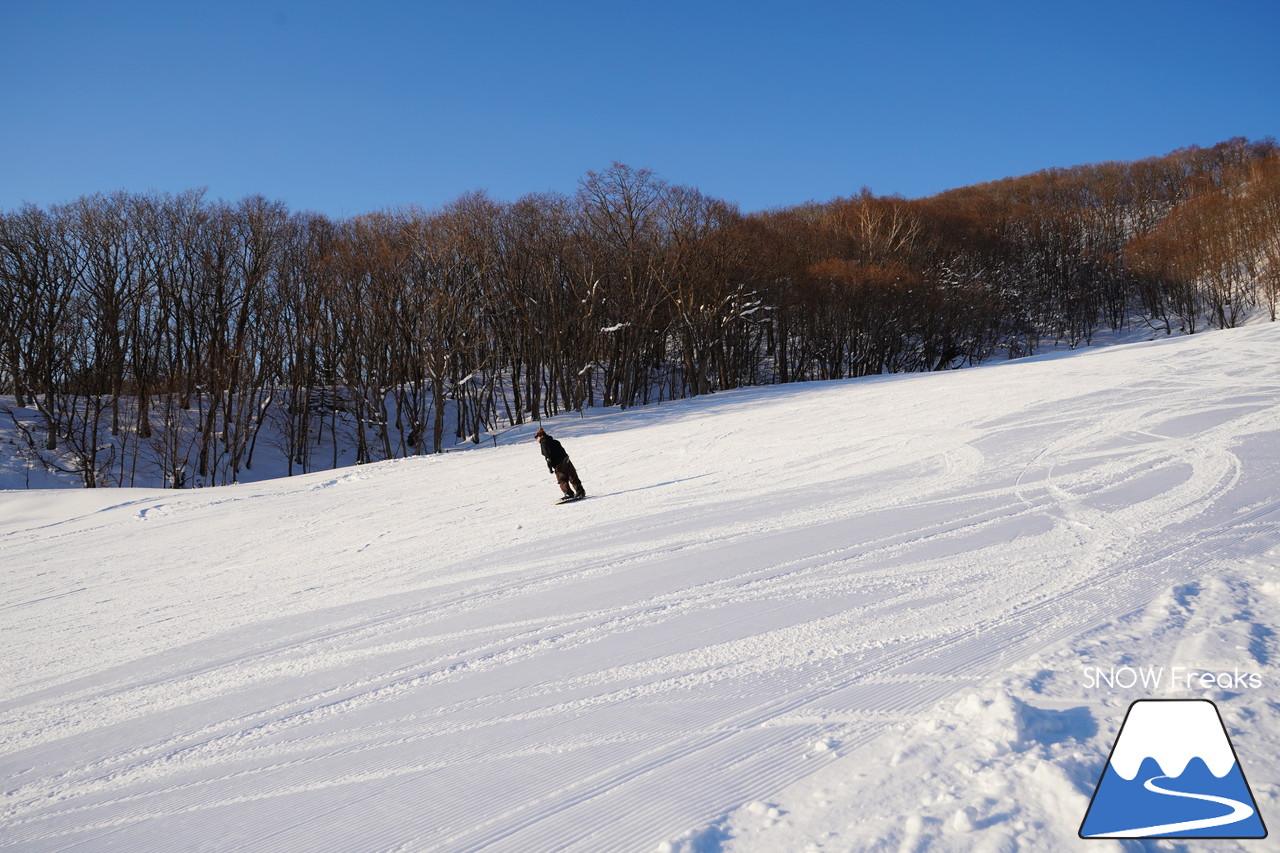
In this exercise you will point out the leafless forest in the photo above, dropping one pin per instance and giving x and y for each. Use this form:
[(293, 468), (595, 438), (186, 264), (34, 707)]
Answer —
[(175, 333)]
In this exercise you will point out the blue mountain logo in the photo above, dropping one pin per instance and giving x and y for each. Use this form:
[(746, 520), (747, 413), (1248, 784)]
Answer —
[(1173, 773)]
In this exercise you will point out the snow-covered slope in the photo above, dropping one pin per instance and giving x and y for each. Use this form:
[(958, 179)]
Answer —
[(856, 615)]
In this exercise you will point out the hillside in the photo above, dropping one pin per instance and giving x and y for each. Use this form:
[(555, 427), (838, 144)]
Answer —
[(162, 340), (863, 614)]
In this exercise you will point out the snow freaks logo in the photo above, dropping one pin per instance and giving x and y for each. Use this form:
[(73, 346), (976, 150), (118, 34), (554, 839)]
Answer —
[(1172, 773)]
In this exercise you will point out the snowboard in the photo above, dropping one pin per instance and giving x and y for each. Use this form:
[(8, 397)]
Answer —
[(568, 500)]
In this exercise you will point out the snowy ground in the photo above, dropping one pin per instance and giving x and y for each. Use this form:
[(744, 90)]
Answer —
[(864, 615)]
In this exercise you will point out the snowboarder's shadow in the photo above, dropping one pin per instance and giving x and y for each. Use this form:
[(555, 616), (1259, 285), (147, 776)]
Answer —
[(655, 485)]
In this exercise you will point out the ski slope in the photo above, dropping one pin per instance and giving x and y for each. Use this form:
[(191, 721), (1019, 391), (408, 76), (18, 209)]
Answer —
[(828, 616)]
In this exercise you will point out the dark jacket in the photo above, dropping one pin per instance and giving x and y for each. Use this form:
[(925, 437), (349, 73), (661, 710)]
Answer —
[(553, 452)]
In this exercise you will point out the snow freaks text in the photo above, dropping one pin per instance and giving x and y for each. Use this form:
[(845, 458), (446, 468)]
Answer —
[(1173, 678)]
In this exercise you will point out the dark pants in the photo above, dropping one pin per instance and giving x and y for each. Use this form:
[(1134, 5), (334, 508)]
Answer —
[(567, 477)]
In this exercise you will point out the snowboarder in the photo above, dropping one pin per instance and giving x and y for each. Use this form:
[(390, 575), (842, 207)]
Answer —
[(558, 463)]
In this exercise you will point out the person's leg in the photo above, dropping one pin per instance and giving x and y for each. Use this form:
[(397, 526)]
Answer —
[(572, 474), (562, 478)]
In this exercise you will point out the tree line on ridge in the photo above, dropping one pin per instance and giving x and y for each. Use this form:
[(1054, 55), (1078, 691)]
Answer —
[(171, 339)]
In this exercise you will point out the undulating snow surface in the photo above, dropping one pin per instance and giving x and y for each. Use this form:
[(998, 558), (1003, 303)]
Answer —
[(899, 613)]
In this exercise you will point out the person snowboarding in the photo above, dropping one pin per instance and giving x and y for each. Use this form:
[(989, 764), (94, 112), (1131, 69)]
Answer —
[(558, 463)]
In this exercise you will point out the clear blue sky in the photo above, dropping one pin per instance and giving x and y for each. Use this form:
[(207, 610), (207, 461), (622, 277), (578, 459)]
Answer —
[(355, 106)]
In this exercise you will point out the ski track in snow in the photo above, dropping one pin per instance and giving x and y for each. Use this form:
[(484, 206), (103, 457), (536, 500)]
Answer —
[(426, 654)]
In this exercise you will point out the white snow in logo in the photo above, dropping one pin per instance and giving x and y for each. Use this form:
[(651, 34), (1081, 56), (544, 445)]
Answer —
[(1172, 733), (1239, 811)]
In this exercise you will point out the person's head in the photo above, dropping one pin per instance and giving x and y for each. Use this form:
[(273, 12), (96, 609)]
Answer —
[(540, 434)]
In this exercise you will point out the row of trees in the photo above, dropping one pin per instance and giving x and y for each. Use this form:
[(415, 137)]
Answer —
[(173, 338)]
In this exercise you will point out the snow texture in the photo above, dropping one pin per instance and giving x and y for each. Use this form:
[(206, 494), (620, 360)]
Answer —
[(861, 615)]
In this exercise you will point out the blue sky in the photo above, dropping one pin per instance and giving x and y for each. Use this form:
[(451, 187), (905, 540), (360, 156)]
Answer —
[(350, 107)]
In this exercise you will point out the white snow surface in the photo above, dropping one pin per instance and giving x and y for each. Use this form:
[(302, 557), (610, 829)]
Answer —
[(860, 615), (1172, 733)]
